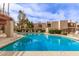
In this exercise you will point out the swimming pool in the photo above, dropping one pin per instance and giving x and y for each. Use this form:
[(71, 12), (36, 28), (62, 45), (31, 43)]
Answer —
[(42, 42)]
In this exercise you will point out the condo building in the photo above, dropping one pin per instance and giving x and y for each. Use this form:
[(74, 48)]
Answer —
[(53, 25), (77, 27), (64, 25), (68, 26), (39, 26)]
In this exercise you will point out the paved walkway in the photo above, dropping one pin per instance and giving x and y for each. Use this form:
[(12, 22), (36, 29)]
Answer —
[(6, 41), (11, 53)]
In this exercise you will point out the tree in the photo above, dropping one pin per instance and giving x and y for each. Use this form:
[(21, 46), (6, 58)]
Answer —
[(24, 23), (21, 15)]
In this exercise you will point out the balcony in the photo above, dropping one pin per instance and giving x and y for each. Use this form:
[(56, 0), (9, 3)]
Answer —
[(72, 25)]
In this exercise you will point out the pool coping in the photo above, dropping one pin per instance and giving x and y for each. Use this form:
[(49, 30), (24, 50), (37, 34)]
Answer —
[(39, 53), (75, 38)]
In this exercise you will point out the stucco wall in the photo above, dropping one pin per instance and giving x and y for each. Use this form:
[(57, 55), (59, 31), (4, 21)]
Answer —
[(9, 28), (54, 25), (63, 24)]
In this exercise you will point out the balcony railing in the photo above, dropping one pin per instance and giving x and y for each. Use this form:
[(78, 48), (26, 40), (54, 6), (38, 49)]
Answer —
[(71, 25)]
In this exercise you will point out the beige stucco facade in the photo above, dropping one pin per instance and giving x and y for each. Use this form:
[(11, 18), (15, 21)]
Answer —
[(38, 26), (54, 25), (9, 28), (64, 25), (77, 26)]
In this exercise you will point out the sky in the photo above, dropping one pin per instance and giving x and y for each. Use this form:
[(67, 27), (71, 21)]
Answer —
[(43, 12)]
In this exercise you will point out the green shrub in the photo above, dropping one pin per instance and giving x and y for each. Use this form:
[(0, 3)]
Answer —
[(19, 30), (55, 31), (51, 31), (42, 30)]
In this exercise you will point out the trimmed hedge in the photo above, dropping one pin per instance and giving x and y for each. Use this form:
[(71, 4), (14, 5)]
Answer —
[(55, 31), (40, 30), (19, 30)]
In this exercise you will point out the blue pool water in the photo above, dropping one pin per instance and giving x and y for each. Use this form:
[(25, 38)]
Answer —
[(42, 42)]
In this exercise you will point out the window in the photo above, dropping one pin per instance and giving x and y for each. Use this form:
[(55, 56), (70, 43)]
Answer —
[(48, 25), (77, 25), (40, 25), (71, 24)]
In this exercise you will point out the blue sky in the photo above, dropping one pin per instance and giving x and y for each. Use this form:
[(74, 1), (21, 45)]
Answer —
[(43, 12)]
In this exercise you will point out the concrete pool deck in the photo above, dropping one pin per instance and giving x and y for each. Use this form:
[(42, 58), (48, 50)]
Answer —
[(36, 53), (39, 53), (5, 41)]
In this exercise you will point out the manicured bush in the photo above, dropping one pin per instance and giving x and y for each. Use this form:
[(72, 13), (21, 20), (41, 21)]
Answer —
[(18, 30), (51, 31), (42, 30), (55, 31)]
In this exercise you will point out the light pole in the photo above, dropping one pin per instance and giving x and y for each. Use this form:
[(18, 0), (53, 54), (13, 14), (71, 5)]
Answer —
[(3, 7), (8, 8)]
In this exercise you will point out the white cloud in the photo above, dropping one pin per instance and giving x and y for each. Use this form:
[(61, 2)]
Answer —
[(73, 14), (48, 15), (38, 14)]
